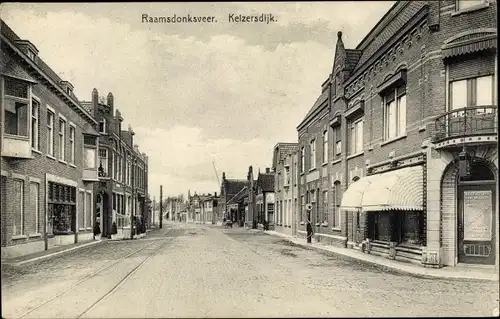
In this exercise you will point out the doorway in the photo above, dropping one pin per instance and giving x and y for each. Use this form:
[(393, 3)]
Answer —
[(476, 216)]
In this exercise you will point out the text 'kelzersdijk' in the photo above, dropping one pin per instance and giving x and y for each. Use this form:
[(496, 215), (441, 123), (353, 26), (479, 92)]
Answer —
[(262, 18)]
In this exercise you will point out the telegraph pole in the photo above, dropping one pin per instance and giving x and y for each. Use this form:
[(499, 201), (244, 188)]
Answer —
[(161, 206), (154, 203)]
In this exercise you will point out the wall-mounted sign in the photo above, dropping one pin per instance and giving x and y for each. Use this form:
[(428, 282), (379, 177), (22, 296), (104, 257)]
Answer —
[(478, 211)]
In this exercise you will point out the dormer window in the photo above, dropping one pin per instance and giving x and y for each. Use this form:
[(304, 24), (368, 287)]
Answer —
[(68, 90), (102, 126)]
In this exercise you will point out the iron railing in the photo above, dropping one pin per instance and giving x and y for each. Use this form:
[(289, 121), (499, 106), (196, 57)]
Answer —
[(467, 121)]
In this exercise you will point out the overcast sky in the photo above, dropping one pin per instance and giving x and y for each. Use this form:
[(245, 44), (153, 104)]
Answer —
[(197, 93)]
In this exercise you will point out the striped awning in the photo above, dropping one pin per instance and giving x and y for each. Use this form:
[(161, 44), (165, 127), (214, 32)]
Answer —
[(400, 189), (353, 196), (468, 48)]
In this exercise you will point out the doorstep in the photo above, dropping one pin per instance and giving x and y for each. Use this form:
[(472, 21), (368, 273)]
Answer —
[(460, 272), (51, 252)]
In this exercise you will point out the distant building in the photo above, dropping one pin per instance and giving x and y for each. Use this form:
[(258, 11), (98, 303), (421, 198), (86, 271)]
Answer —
[(229, 188), (285, 187), (264, 198)]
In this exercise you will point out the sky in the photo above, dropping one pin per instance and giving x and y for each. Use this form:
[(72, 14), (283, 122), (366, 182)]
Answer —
[(196, 95)]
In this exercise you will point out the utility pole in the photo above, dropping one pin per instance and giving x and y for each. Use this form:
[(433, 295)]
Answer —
[(161, 206), (154, 203)]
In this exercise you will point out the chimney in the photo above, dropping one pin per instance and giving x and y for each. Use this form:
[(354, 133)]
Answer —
[(95, 102), (215, 194), (109, 103), (267, 170), (223, 176)]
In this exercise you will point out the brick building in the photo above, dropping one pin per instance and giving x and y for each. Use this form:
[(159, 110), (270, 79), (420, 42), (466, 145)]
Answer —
[(285, 170), (265, 198), (407, 165), (229, 188), (123, 169), (49, 145)]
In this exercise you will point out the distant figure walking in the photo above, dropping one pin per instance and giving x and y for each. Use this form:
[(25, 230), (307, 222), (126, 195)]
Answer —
[(309, 229)]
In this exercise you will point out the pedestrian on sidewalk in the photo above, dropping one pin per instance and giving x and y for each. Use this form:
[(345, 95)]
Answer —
[(309, 229)]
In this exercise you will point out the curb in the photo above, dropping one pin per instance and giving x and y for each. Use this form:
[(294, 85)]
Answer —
[(54, 254), (421, 274)]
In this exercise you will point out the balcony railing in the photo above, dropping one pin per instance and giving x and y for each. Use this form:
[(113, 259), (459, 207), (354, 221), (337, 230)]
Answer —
[(467, 121)]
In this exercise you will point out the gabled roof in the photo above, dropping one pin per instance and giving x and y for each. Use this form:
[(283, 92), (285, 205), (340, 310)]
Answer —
[(233, 186), (319, 102), (282, 150), (266, 182), (239, 196)]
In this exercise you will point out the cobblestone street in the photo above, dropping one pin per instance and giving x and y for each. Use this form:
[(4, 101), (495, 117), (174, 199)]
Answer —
[(202, 271)]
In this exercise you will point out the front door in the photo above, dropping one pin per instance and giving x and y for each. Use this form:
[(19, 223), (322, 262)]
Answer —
[(476, 223)]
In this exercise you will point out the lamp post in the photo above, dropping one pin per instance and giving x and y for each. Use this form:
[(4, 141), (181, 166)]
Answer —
[(161, 206)]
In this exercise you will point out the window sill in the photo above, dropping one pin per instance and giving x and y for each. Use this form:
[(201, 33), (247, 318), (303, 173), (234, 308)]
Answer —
[(393, 140), (325, 163), (19, 237), (72, 165), (36, 151), (336, 229), (336, 161), (63, 162), (79, 229), (35, 235), (51, 157), (302, 223), (318, 224), (471, 9), (324, 225), (312, 169), (421, 128), (354, 155)]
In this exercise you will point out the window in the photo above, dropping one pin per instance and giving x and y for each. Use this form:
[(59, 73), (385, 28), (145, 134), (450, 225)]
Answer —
[(325, 206), (313, 154), (303, 208), (472, 92), (336, 204), (18, 207), (102, 126), (325, 147), (88, 210), (394, 109), (90, 151), (34, 207), (50, 133), (81, 210), (16, 110), (465, 4), (302, 160), (338, 141), (35, 124), (103, 161), (31, 55), (61, 209), (72, 144), (62, 140), (356, 137), (287, 175)]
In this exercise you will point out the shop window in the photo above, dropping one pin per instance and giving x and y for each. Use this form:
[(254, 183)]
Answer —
[(18, 207), (34, 206), (81, 209), (61, 209)]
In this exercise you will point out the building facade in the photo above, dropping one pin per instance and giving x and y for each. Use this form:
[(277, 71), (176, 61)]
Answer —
[(412, 115), (285, 187), (229, 188), (123, 170), (265, 198), (49, 146), (208, 208)]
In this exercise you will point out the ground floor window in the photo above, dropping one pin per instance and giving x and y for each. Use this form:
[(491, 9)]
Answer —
[(18, 207), (405, 227), (61, 209)]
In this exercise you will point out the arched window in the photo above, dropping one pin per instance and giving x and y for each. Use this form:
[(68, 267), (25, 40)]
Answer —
[(479, 172)]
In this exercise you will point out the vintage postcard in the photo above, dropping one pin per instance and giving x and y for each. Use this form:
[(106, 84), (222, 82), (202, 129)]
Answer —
[(249, 159)]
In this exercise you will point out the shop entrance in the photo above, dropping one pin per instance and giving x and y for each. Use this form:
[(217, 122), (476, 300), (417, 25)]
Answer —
[(476, 216)]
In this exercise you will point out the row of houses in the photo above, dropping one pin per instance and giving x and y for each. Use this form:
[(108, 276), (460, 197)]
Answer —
[(398, 156), (66, 165)]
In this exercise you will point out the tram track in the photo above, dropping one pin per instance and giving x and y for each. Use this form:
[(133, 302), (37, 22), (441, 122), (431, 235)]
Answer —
[(96, 273)]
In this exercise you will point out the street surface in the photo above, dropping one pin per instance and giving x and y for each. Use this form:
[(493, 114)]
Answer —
[(189, 270)]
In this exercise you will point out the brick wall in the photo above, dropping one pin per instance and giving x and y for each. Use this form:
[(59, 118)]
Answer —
[(35, 169)]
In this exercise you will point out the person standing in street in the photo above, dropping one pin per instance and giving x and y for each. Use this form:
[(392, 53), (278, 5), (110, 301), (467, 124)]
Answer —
[(309, 228)]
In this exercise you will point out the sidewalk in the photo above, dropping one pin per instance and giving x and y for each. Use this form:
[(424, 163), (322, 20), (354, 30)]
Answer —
[(45, 254), (446, 272)]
